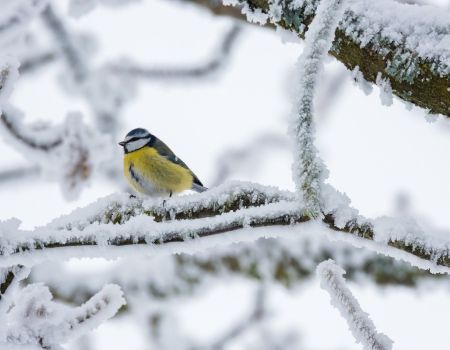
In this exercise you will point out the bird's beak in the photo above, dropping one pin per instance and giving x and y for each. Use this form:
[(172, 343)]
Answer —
[(122, 143)]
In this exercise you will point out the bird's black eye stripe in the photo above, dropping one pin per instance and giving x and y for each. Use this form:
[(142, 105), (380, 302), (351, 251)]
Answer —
[(133, 139)]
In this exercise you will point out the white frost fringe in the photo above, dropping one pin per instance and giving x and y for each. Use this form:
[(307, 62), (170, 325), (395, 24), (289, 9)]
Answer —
[(36, 319), (308, 170), (361, 326)]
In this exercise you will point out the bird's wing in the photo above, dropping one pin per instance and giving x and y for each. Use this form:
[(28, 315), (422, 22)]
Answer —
[(167, 153)]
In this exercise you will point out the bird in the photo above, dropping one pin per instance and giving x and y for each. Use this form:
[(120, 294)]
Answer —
[(151, 167)]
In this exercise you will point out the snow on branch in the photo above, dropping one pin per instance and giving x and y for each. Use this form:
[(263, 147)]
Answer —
[(359, 322), (32, 63), (287, 262), (18, 173), (308, 170), (407, 44), (79, 8), (118, 226), (69, 50), (40, 139), (105, 92), (9, 279), (8, 76), (217, 61), (68, 152), (15, 17), (36, 319), (257, 315)]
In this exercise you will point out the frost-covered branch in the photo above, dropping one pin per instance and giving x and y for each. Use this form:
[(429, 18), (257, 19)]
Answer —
[(33, 63), (8, 76), (32, 139), (36, 319), (217, 61), (361, 326), (18, 173), (15, 17), (248, 156), (286, 262), (68, 152), (78, 8), (104, 92), (257, 314), (218, 216), (308, 171), (407, 44), (71, 53), (9, 279)]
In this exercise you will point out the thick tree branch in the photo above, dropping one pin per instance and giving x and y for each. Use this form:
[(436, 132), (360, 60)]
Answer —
[(415, 78), (143, 230), (288, 263)]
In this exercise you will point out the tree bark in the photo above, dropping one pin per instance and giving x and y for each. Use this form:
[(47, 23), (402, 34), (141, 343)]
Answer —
[(426, 87)]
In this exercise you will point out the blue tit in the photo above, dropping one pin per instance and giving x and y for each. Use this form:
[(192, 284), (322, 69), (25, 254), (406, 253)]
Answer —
[(153, 169)]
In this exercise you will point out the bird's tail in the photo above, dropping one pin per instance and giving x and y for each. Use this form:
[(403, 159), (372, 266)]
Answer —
[(198, 188)]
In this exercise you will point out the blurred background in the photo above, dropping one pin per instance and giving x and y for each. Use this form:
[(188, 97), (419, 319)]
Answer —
[(217, 90)]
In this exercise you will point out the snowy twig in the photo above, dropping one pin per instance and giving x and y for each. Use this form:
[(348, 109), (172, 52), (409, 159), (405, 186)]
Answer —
[(10, 118), (104, 94), (16, 130), (32, 63), (308, 170), (168, 73), (10, 277), (102, 306), (15, 17), (35, 319), (9, 72), (246, 156), (75, 61), (79, 8), (69, 152), (18, 173), (257, 315), (361, 326)]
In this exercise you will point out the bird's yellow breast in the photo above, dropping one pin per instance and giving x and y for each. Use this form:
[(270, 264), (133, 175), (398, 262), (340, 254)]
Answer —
[(155, 171)]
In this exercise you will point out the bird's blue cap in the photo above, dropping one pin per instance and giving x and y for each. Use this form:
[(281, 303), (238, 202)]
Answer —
[(137, 133)]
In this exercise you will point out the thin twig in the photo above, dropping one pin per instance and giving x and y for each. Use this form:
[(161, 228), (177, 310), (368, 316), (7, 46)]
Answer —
[(31, 64), (359, 322), (39, 145), (19, 173), (218, 60)]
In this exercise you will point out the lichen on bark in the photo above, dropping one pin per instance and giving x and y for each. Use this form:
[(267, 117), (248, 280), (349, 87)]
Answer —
[(413, 79)]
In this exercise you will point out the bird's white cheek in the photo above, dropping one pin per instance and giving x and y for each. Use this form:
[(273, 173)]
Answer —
[(134, 145)]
